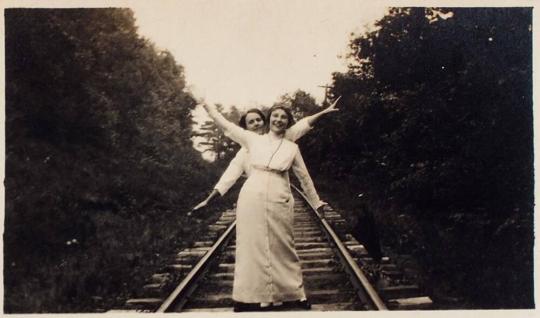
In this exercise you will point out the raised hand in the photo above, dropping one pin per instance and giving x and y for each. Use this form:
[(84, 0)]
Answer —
[(321, 210), (204, 105), (200, 205), (332, 108)]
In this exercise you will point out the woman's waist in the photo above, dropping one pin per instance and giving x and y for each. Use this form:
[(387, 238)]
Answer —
[(266, 185), (264, 176), (265, 169)]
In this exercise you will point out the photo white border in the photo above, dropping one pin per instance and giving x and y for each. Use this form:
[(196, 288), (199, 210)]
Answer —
[(402, 314)]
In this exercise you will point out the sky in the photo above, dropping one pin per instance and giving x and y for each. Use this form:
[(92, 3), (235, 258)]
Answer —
[(248, 53)]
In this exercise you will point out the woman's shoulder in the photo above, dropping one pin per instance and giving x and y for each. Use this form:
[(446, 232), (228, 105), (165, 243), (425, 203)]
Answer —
[(242, 152), (290, 144)]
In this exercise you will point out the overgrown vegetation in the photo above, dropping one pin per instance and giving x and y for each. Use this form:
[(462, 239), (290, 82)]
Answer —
[(436, 128), (100, 168)]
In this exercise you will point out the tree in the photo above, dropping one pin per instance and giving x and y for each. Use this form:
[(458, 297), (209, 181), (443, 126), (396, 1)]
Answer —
[(215, 141), (98, 149), (436, 118), (300, 103)]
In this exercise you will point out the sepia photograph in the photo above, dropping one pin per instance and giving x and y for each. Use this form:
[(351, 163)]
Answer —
[(217, 157)]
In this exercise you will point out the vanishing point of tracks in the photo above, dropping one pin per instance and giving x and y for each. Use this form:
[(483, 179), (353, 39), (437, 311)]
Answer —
[(338, 272)]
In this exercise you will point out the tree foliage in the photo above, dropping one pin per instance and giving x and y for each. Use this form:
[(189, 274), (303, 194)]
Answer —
[(300, 103), (215, 141), (98, 153), (436, 119)]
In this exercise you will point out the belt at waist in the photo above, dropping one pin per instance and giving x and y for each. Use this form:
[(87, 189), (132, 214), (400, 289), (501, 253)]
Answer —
[(263, 168)]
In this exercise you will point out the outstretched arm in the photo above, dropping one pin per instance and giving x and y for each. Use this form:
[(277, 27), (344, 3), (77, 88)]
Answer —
[(304, 125), (301, 172), (330, 109), (231, 130), (233, 172), (229, 177), (205, 202)]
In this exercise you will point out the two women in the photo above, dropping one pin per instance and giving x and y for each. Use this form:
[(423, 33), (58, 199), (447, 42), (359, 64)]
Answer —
[(267, 269), (254, 120)]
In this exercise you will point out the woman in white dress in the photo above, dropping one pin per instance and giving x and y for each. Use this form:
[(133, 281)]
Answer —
[(267, 269), (254, 120)]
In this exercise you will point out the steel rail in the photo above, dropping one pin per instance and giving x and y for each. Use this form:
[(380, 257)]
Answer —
[(366, 292), (177, 299)]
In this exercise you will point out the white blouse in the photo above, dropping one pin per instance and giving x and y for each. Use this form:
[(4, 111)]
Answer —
[(261, 151), (240, 163)]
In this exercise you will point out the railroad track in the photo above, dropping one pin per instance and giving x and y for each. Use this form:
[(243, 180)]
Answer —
[(338, 272)]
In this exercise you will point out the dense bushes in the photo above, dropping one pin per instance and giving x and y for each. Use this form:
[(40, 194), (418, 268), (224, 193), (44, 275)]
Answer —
[(436, 122), (100, 167)]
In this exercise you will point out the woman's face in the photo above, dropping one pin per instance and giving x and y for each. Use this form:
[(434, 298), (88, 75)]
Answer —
[(254, 122), (279, 121)]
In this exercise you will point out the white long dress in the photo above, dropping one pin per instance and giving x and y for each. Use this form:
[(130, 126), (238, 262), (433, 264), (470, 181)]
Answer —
[(267, 266)]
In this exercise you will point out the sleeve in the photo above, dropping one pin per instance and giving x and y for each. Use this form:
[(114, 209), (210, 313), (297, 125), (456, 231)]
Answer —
[(301, 172), (298, 130), (231, 174), (235, 132)]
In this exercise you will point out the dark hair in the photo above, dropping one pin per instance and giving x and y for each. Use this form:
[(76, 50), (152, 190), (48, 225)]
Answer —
[(242, 123), (287, 111)]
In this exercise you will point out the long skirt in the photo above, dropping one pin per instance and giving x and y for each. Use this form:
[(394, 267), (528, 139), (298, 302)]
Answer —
[(267, 266)]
